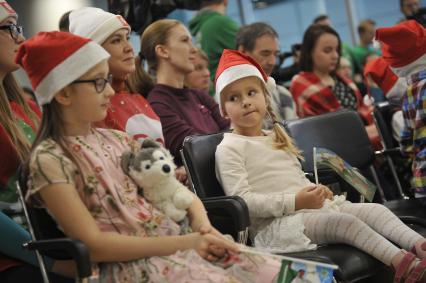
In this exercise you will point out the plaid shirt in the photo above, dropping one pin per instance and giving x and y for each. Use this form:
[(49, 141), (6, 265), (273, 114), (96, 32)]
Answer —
[(413, 135), (314, 98)]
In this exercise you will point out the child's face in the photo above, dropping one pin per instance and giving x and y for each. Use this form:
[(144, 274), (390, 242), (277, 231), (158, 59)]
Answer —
[(245, 105), (200, 77), (325, 55), (9, 47), (86, 103), (122, 60)]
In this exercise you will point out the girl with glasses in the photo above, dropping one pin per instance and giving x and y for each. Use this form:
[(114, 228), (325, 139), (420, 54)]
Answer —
[(129, 110), (19, 120), (75, 173)]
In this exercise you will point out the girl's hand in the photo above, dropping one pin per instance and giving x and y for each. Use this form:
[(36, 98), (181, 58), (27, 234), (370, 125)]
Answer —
[(210, 246), (180, 174), (218, 252), (311, 197), (328, 193)]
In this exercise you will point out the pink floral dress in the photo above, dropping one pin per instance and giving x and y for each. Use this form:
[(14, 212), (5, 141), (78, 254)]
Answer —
[(113, 201)]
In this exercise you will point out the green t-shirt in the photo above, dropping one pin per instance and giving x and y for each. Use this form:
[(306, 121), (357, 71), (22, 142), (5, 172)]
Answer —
[(358, 55), (213, 32)]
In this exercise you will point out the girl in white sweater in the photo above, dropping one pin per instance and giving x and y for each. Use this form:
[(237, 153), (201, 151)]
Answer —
[(288, 212)]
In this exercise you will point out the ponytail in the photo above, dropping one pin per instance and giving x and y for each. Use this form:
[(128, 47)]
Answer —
[(282, 139), (140, 81)]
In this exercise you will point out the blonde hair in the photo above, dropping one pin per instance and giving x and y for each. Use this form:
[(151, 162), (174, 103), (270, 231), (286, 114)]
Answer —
[(281, 138), (10, 91), (202, 54), (155, 34)]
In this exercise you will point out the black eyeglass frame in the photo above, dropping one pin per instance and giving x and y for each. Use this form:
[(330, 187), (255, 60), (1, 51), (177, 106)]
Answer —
[(14, 30), (99, 83)]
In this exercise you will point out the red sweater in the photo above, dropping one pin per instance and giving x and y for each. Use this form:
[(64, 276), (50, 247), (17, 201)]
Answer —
[(313, 98), (7, 150)]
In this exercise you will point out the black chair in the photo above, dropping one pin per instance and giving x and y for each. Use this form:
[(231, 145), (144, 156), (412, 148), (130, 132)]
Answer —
[(343, 132), (199, 158), (48, 240), (225, 213), (382, 115), (229, 214)]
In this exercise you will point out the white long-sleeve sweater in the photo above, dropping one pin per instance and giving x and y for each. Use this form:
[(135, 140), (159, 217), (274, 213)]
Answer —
[(265, 177)]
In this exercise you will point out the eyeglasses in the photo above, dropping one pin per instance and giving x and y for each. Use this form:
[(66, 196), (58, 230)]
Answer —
[(100, 83), (14, 30)]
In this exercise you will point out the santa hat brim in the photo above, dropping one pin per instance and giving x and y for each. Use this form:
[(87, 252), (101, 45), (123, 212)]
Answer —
[(69, 70), (235, 73), (407, 70), (397, 91), (6, 11), (107, 28)]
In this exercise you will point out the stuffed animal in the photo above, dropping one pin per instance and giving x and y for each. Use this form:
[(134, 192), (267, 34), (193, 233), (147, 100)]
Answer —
[(153, 170)]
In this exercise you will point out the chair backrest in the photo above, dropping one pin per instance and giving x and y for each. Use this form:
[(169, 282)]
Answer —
[(382, 117), (199, 157), (342, 132)]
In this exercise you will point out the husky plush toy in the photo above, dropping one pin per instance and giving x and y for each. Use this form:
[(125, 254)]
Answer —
[(153, 170)]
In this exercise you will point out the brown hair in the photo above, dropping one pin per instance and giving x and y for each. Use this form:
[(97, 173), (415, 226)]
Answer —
[(10, 91), (202, 54), (155, 34), (363, 25)]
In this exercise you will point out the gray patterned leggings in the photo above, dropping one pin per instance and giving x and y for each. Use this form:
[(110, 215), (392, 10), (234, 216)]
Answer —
[(367, 226)]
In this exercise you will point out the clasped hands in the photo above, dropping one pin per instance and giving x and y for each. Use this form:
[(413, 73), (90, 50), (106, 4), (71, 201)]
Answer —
[(312, 197)]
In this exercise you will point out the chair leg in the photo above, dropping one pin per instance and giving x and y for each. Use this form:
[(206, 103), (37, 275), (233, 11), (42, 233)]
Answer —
[(395, 177), (30, 228), (376, 180)]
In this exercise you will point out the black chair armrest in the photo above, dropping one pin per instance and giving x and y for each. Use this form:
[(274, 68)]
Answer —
[(389, 151), (229, 206), (76, 248), (409, 219)]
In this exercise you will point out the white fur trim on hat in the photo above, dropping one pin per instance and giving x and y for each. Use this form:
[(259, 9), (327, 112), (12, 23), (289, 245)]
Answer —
[(6, 11), (69, 70), (413, 67), (234, 73), (95, 23)]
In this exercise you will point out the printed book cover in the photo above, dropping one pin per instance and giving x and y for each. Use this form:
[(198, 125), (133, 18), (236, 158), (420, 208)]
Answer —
[(326, 158)]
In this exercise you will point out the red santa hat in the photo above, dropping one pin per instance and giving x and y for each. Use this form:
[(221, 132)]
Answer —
[(95, 23), (403, 47), (379, 71), (234, 65), (6, 11), (53, 60)]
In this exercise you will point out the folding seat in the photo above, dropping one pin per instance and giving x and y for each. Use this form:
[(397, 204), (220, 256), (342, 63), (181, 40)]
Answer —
[(343, 132), (354, 265)]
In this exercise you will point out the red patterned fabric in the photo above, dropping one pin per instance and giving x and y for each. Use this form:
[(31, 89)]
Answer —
[(7, 149), (313, 98)]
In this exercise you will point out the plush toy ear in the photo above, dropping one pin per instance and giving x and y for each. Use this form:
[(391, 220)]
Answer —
[(149, 143), (126, 160)]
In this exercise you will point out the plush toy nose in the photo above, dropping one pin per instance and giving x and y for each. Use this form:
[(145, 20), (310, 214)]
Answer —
[(166, 168)]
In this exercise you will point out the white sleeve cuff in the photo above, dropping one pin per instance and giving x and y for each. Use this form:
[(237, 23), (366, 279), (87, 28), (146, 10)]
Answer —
[(289, 203)]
